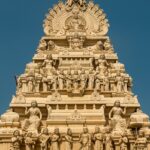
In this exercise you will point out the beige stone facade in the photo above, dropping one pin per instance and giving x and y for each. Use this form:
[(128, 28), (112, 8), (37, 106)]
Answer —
[(75, 94)]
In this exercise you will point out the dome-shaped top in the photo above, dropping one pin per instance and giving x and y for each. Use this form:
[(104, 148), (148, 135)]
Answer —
[(139, 119), (10, 116)]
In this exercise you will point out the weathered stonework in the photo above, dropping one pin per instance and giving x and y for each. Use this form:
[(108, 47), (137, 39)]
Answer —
[(75, 94)]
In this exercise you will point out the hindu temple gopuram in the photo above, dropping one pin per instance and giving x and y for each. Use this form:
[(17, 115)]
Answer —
[(75, 94)]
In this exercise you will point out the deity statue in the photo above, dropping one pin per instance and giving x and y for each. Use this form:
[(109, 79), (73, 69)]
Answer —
[(75, 23), (76, 80), (56, 96), (51, 45), (108, 140), (68, 140), (30, 84), (48, 64), (95, 95), (44, 139), (119, 82), (16, 140), (32, 124), (71, 2), (85, 140), (49, 111), (116, 116), (83, 79), (99, 81), (42, 46), (99, 45), (123, 142), (98, 139), (61, 78), (141, 142), (108, 46), (54, 80), (29, 142), (69, 80), (55, 139), (91, 79)]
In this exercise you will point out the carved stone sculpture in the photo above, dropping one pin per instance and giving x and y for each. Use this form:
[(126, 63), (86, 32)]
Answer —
[(29, 142), (98, 139), (68, 140), (141, 142), (44, 139), (16, 140), (55, 140), (56, 96), (116, 116), (95, 95), (123, 142), (33, 122), (85, 140), (49, 111)]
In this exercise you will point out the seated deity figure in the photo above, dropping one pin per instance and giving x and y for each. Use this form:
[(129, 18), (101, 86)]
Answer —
[(141, 142), (61, 78), (75, 23), (85, 140), (98, 139), (29, 142), (51, 45), (55, 140), (33, 122), (95, 95), (116, 116), (42, 46), (56, 96), (44, 139), (68, 140), (16, 140)]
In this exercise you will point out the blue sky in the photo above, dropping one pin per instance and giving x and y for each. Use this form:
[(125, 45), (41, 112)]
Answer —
[(21, 29)]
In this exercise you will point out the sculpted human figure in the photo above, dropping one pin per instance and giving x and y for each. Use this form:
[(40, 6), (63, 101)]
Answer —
[(99, 81), (76, 80), (16, 140), (68, 140), (69, 80), (56, 96), (116, 116), (119, 82), (42, 46), (30, 84), (123, 142), (141, 142), (83, 79), (44, 139), (85, 140), (29, 142), (55, 140), (98, 139), (61, 78), (91, 79), (108, 140), (49, 111), (54, 81), (51, 45), (34, 120), (95, 95)]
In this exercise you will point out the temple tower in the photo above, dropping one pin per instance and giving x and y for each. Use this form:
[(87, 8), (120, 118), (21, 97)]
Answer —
[(75, 94)]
